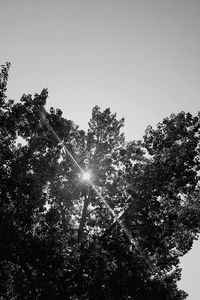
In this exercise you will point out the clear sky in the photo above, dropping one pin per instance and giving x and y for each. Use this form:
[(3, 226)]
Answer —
[(140, 58)]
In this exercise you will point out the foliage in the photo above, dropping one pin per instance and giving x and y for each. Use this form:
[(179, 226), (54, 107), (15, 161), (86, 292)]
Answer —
[(152, 185)]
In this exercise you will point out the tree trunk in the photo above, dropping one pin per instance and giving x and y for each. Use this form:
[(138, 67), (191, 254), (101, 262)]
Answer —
[(83, 217)]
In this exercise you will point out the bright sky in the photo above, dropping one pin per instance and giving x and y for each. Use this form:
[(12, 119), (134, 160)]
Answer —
[(140, 58)]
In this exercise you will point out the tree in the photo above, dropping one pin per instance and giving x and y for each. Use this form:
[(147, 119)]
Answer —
[(32, 252), (58, 240)]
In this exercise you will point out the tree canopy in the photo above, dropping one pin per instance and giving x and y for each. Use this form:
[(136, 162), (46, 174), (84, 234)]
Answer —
[(58, 240)]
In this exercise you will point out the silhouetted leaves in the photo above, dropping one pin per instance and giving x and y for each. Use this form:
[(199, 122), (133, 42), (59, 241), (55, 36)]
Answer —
[(151, 185)]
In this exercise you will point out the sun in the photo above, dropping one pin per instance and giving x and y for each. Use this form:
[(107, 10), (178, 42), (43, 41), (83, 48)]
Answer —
[(86, 176)]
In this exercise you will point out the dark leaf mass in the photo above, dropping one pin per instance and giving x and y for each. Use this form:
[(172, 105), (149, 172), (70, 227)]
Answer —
[(58, 241)]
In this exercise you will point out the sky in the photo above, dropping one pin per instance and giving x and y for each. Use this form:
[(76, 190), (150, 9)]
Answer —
[(140, 58)]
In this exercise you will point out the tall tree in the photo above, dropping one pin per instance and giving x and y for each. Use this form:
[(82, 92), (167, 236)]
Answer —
[(58, 240)]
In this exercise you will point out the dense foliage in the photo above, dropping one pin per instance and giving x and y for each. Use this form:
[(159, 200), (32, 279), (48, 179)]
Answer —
[(58, 240)]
